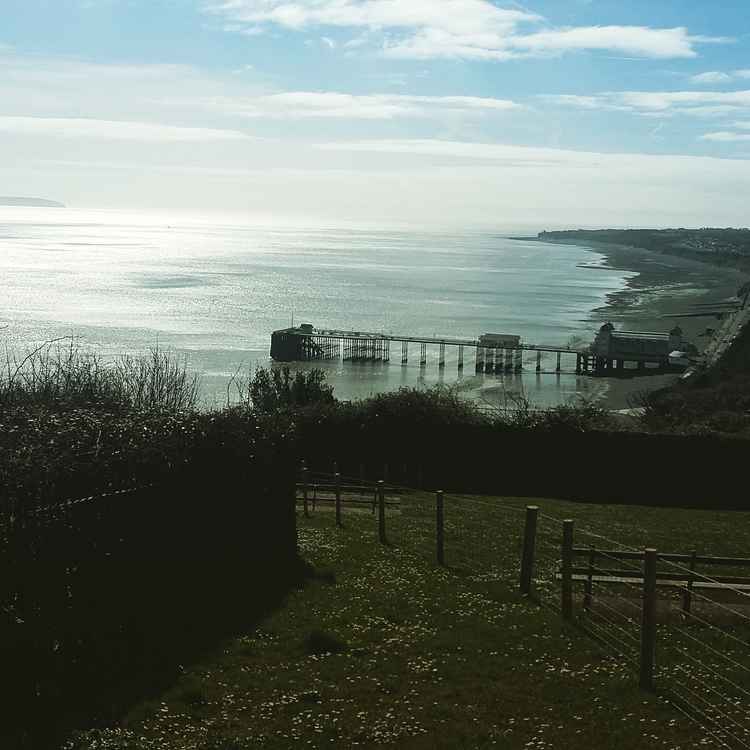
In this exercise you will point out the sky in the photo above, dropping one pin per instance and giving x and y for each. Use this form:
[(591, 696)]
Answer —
[(466, 112)]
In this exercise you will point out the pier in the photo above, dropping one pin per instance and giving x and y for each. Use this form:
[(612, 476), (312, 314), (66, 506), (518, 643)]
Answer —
[(490, 353)]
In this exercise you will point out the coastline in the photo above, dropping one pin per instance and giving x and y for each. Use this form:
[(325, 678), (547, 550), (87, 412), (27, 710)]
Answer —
[(664, 285)]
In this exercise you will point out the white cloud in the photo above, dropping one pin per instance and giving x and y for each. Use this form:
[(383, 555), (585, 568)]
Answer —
[(69, 127), (468, 29), (639, 41), (711, 77), (454, 16), (543, 185), (315, 105), (75, 90), (494, 152), (741, 125), (726, 137), (427, 181), (62, 87), (717, 110), (358, 41), (649, 100), (700, 103), (718, 76)]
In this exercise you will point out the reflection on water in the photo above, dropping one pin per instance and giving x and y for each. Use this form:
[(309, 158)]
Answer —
[(503, 391), (215, 292)]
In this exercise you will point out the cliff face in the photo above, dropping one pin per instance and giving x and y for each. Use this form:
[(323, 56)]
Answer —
[(31, 202)]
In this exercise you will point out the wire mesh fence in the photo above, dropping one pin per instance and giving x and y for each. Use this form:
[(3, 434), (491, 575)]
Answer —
[(698, 657), (701, 647), (476, 532)]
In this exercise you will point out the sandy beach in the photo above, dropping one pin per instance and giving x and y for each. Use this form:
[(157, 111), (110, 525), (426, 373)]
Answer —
[(664, 285)]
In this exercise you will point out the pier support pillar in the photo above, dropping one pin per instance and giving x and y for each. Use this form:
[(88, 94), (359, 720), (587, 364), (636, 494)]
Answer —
[(489, 360), (538, 361), (423, 355), (519, 360), (441, 363), (404, 352), (499, 361), (559, 362), (461, 357), (578, 364), (480, 360)]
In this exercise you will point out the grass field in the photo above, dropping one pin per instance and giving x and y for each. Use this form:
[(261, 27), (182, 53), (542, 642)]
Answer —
[(383, 647)]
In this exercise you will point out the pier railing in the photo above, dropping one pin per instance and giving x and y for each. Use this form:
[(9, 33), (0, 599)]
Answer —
[(500, 354)]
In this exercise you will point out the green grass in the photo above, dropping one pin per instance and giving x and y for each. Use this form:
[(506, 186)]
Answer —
[(382, 647)]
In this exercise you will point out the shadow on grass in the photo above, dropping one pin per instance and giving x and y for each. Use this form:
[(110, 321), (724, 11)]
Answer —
[(129, 657)]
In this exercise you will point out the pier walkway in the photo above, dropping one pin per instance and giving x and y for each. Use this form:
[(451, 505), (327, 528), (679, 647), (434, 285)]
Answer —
[(492, 353)]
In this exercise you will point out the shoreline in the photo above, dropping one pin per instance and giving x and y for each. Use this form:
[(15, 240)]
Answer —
[(663, 285)]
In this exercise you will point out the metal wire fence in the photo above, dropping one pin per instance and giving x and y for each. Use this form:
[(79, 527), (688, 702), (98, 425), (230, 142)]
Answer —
[(698, 659)]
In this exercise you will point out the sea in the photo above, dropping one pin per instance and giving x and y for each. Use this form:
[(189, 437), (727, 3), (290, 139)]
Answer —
[(211, 290)]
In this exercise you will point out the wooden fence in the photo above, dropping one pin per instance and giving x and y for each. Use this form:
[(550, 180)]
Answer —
[(626, 597), (683, 575)]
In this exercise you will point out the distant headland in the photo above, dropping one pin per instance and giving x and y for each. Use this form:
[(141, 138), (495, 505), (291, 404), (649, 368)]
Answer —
[(29, 202), (721, 247)]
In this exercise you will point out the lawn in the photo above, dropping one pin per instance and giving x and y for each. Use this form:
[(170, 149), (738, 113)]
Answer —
[(383, 647)]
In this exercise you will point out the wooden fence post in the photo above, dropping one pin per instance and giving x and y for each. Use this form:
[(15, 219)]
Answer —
[(315, 497), (361, 480), (440, 519), (589, 590), (567, 570), (529, 549), (381, 511), (338, 499), (687, 597), (304, 491), (648, 625)]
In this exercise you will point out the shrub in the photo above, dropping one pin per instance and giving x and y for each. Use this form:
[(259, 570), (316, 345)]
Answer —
[(275, 389), (60, 374)]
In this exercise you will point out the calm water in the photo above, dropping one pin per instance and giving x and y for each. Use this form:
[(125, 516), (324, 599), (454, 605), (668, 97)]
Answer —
[(215, 292)]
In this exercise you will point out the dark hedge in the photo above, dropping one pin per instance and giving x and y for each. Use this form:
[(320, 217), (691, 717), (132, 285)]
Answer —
[(190, 534)]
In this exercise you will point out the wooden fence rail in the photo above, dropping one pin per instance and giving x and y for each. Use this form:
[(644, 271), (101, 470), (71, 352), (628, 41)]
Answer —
[(601, 564), (683, 574)]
